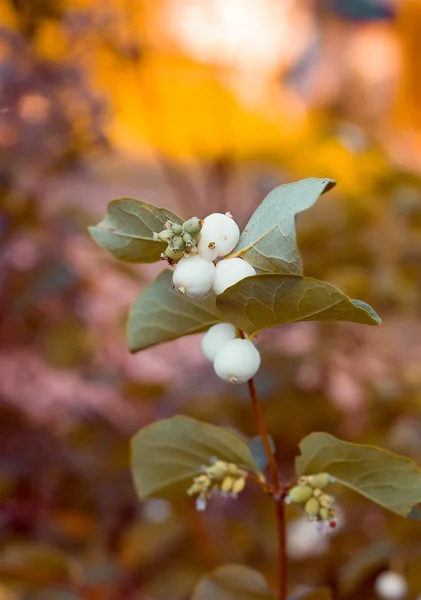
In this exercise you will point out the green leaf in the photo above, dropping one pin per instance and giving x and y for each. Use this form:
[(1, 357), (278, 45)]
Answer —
[(388, 479), (168, 454), (159, 314), (268, 241), (127, 229), (232, 582), (258, 451), (263, 301)]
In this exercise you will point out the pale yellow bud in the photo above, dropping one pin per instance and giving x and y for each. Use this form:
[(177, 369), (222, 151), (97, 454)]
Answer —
[(300, 493), (319, 481), (312, 507), (239, 485), (226, 485)]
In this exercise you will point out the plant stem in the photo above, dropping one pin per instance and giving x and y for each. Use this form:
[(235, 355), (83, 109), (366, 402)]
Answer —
[(261, 427), (278, 494)]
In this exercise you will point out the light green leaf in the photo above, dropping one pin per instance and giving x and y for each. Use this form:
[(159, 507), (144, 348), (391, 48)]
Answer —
[(233, 582), (159, 314), (168, 454), (127, 229), (263, 301), (388, 479), (268, 241)]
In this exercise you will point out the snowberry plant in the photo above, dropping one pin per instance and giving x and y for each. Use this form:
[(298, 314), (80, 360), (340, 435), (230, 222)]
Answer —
[(231, 285)]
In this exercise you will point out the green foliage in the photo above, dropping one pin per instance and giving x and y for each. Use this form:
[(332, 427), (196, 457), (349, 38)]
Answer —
[(268, 241), (264, 301), (258, 451), (232, 582), (159, 315), (127, 230), (388, 479), (168, 454)]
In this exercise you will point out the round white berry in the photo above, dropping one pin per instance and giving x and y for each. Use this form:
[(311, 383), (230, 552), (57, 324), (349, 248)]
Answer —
[(391, 585), (219, 233), (215, 337), (230, 271), (194, 276), (237, 361)]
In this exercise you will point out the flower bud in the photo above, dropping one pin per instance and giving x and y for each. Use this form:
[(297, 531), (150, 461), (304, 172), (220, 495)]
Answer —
[(165, 236), (391, 585), (320, 481), (215, 337), (230, 271), (300, 493), (176, 229), (192, 226), (237, 361), (239, 485), (193, 276), (178, 242), (173, 254), (227, 483), (312, 507), (222, 230)]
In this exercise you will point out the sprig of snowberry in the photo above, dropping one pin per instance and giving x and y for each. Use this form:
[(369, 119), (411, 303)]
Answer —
[(198, 249)]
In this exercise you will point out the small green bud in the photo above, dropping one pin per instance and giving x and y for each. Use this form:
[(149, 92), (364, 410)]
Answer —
[(312, 507), (320, 481), (188, 239), (239, 485), (173, 254), (218, 470), (324, 513), (226, 485), (176, 228), (178, 242), (193, 226), (300, 493), (165, 236)]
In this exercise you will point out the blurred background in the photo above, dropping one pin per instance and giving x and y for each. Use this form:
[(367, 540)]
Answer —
[(199, 106)]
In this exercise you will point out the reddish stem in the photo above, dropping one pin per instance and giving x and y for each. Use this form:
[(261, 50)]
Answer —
[(282, 559)]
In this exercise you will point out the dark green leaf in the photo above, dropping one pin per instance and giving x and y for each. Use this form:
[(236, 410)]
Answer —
[(232, 582), (388, 479), (168, 454), (268, 241), (263, 301), (127, 229), (258, 451), (159, 314)]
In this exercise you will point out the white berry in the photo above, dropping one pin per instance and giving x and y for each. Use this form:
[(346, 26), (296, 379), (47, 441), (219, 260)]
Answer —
[(391, 586), (219, 235), (230, 271), (215, 337), (237, 361), (194, 276)]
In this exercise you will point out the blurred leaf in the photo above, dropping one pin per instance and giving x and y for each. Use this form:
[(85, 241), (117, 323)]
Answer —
[(362, 565), (268, 241), (388, 479), (127, 229), (232, 582), (258, 451), (319, 594), (34, 564), (263, 301), (168, 454), (159, 314)]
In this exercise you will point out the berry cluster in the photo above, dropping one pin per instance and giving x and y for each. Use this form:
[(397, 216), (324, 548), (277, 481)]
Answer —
[(193, 247), (234, 359), (308, 494), (221, 478)]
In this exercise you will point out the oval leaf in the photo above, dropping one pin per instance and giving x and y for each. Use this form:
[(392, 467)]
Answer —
[(263, 301), (232, 582), (168, 454), (268, 241), (159, 314), (127, 230), (388, 479)]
